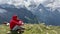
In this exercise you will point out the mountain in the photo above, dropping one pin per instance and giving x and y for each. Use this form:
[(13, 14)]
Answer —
[(46, 15), (22, 13), (32, 14)]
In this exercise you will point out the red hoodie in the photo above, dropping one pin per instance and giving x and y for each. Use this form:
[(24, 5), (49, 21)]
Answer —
[(14, 21)]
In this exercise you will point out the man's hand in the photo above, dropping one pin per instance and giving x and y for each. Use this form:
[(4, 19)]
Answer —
[(20, 22)]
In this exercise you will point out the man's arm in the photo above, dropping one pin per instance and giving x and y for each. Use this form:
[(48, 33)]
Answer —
[(15, 22), (21, 23)]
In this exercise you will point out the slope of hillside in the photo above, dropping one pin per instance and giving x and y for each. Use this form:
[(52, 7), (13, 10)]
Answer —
[(34, 29)]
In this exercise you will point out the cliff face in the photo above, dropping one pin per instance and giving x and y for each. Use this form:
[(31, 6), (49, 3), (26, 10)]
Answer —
[(22, 13)]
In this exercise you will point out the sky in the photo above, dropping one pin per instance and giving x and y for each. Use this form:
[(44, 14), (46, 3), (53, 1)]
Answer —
[(54, 4), (20, 2), (28, 2), (48, 3)]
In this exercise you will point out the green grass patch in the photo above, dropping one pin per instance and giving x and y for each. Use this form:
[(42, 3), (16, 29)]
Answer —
[(34, 29)]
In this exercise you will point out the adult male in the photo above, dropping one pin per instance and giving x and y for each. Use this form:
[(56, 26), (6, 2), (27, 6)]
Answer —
[(15, 23)]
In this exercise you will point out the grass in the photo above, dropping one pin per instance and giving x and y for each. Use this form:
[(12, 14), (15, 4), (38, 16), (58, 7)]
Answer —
[(34, 29)]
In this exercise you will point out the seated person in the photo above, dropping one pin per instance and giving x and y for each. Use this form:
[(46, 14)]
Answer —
[(15, 23)]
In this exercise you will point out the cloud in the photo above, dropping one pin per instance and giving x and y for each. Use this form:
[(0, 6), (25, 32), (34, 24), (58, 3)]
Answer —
[(53, 4), (21, 2), (2, 11), (18, 3), (15, 2), (3, 1), (48, 3)]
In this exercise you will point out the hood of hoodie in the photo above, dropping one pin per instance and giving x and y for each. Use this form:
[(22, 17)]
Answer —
[(15, 17)]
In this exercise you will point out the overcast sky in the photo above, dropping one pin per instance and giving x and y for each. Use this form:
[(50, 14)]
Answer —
[(20, 2), (26, 3)]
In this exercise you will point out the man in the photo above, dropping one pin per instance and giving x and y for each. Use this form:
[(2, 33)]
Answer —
[(15, 23)]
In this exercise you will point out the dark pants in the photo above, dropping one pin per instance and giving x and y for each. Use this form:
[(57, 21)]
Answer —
[(20, 29), (13, 32)]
